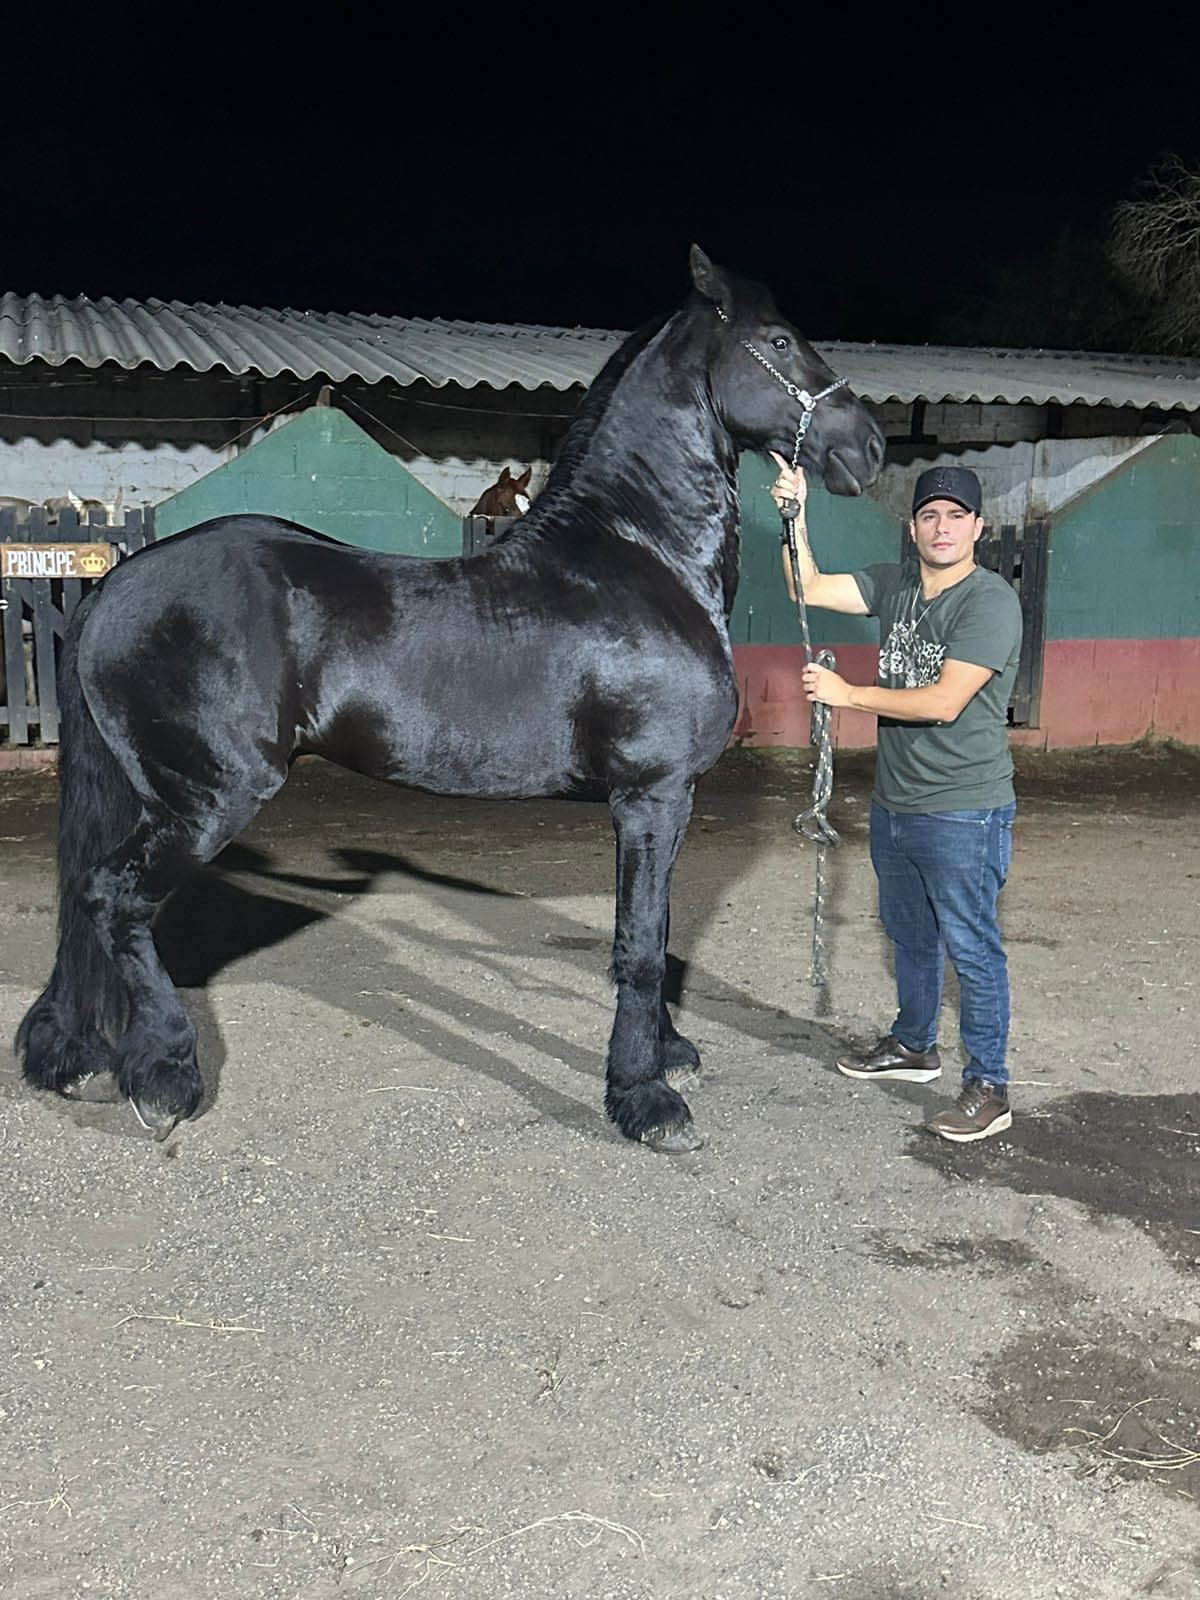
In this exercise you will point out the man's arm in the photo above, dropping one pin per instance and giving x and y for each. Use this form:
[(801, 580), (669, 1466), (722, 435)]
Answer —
[(832, 591), (942, 701)]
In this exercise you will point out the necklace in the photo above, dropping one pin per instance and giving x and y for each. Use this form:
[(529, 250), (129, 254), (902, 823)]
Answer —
[(915, 621)]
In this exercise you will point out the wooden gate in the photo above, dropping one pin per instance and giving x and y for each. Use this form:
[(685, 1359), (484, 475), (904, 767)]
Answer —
[(1018, 555), (37, 610)]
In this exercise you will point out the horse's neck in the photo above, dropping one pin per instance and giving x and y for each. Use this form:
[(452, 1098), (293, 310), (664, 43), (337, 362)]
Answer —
[(665, 470)]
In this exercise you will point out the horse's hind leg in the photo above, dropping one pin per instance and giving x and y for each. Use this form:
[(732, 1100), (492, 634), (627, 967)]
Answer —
[(650, 828), (155, 1058)]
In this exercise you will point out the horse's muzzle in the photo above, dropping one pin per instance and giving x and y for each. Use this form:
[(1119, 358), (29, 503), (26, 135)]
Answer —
[(840, 477)]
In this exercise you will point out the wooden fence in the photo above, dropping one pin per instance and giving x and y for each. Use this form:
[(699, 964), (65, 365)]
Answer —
[(36, 612), (1018, 555)]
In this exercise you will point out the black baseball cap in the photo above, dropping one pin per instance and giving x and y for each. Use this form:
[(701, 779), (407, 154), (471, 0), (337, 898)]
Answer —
[(949, 483)]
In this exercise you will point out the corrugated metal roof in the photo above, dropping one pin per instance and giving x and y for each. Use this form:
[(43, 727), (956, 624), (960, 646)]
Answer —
[(242, 339), (940, 372)]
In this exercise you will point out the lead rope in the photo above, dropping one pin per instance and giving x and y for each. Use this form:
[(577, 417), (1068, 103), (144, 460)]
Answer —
[(812, 823)]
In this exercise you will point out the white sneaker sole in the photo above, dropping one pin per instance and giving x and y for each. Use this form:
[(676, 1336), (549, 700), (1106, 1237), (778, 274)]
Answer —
[(899, 1074), (1000, 1125)]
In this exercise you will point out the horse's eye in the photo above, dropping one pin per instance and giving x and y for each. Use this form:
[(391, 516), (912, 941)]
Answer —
[(779, 343)]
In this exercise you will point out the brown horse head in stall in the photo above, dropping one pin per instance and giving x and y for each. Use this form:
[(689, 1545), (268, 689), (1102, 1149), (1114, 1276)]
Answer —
[(507, 497)]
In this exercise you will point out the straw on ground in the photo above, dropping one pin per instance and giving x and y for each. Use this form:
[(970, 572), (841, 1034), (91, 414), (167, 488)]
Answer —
[(433, 1560), (177, 1321), (50, 1504), (1173, 1458)]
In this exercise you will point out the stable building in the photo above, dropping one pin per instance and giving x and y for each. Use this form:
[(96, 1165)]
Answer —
[(383, 431)]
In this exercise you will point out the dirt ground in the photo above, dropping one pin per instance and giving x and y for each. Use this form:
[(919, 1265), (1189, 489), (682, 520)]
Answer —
[(399, 1313)]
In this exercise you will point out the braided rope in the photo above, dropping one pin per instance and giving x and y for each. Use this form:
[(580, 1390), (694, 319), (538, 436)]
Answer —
[(813, 823)]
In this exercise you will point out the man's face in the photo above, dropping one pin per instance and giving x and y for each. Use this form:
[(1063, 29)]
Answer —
[(945, 533)]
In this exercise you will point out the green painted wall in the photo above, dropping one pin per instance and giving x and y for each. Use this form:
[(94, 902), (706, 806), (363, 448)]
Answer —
[(322, 471), (1125, 555), (845, 534)]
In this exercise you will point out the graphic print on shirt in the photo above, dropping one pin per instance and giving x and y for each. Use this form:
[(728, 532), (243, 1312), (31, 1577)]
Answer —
[(906, 660)]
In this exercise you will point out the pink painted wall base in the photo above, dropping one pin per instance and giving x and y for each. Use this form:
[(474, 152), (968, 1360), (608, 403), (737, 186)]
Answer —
[(1094, 691)]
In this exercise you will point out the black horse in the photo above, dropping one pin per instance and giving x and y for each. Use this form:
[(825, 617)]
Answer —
[(586, 654)]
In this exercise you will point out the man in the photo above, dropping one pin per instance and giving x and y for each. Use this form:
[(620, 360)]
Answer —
[(942, 807)]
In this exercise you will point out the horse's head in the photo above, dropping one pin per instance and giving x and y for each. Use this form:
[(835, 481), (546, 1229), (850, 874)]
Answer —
[(755, 393), (507, 497)]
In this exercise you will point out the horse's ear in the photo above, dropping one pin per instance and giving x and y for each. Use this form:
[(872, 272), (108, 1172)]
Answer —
[(523, 481), (503, 478), (708, 279)]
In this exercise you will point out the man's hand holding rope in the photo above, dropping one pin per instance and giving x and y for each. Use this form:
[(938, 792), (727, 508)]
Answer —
[(823, 687), (790, 492)]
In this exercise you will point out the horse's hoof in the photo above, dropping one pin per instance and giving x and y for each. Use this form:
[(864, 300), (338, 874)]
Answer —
[(97, 1088), (154, 1118), (682, 1141)]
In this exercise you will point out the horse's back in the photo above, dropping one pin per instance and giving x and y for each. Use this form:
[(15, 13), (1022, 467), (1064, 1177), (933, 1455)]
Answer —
[(518, 671)]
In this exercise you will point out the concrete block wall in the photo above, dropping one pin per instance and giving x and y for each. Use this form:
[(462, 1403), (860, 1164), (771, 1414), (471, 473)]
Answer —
[(955, 423), (1022, 480), (460, 482)]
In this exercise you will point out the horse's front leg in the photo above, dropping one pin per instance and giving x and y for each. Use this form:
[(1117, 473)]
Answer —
[(650, 826), (678, 1058)]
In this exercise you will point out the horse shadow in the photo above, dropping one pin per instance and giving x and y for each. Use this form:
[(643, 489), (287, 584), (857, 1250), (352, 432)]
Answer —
[(213, 922), (244, 904)]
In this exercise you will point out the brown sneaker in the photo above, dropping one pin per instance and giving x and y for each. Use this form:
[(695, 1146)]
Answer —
[(980, 1110), (891, 1059)]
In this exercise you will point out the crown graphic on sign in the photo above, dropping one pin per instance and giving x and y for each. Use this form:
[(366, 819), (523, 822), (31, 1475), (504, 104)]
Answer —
[(93, 563)]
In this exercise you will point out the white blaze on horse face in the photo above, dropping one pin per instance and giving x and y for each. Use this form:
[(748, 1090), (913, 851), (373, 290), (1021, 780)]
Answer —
[(522, 503)]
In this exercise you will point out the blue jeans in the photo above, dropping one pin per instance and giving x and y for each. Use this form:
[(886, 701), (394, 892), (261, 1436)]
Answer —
[(939, 875)]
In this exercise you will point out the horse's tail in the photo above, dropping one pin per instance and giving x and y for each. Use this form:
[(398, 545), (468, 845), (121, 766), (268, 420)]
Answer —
[(64, 1035)]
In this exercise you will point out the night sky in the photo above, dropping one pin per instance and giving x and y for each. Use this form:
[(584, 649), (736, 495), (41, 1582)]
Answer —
[(558, 175)]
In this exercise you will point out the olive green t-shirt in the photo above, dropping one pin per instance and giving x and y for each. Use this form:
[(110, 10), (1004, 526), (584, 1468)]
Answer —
[(964, 765)]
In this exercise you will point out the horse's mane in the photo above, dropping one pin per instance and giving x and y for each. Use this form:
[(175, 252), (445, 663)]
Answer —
[(595, 403), (559, 507), (555, 495)]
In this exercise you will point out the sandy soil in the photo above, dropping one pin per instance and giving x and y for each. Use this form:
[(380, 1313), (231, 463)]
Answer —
[(399, 1313)]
